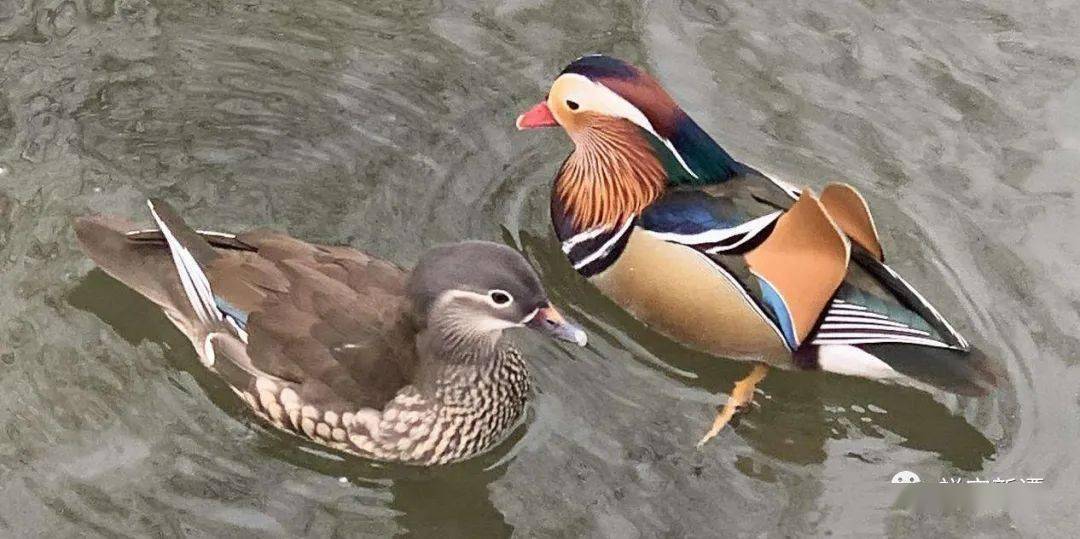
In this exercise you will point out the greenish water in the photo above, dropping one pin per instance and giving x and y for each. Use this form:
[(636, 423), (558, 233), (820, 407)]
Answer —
[(389, 126)]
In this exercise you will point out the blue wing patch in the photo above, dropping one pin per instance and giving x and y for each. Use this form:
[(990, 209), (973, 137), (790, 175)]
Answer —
[(232, 311), (687, 212), (775, 303), (709, 224)]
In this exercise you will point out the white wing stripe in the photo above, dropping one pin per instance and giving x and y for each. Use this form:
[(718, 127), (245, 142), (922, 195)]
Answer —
[(750, 228), (765, 221), (214, 233), (865, 315), (199, 232), (864, 339), (851, 324), (829, 328), (959, 338), (236, 327), (847, 306), (863, 320), (861, 335), (189, 287), (192, 279)]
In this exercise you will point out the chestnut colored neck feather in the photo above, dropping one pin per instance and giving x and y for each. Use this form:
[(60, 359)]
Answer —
[(612, 174)]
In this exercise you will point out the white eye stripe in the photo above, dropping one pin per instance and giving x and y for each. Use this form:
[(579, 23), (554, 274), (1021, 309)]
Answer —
[(596, 96), (611, 103), (465, 307)]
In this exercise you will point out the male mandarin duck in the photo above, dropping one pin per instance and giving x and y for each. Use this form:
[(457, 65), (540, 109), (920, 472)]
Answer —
[(714, 254), (338, 347)]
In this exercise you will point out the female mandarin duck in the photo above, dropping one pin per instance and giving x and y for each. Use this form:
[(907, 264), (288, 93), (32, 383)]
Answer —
[(718, 256), (336, 346)]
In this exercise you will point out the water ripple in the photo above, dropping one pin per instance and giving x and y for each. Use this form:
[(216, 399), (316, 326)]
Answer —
[(389, 126)]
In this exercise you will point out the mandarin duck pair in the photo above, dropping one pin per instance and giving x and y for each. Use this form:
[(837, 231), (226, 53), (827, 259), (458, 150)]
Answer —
[(351, 352)]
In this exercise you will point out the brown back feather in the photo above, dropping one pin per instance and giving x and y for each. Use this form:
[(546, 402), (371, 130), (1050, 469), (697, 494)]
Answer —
[(330, 318)]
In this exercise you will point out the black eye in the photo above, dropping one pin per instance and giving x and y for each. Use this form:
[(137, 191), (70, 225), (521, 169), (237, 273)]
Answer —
[(572, 104), (500, 298)]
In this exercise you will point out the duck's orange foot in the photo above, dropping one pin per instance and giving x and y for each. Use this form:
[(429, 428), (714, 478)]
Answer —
[(740, 397)]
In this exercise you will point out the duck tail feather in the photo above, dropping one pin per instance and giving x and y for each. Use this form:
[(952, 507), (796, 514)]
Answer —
[(147, 269), (970, 373)]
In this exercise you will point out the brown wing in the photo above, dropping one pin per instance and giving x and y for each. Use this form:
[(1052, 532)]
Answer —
[(332, 320), (850, 212), (803, 260)]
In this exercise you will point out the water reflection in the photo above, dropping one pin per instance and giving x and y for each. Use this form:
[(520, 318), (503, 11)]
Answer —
[(388, 126)]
